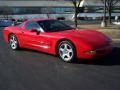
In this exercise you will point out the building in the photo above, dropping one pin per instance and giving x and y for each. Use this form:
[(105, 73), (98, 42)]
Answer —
[(24, 9), (94, 9), (38, 8)]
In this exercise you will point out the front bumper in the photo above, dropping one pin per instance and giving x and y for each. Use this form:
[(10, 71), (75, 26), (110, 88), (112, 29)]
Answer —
[(98, 53)]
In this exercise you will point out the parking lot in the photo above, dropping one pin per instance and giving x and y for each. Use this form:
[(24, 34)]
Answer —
[(31, 70)]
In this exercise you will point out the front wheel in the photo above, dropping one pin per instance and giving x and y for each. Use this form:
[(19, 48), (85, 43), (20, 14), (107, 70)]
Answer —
[(13, 42), (66, 51)]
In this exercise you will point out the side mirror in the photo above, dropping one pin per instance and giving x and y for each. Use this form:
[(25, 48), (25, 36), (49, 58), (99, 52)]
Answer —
[(33, 30)]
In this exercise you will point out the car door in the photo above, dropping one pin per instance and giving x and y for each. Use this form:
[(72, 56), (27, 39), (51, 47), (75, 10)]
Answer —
[(35, 39), (30, 36)]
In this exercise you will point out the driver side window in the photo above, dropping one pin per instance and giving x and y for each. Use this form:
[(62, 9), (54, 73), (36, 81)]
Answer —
[(32, 25)]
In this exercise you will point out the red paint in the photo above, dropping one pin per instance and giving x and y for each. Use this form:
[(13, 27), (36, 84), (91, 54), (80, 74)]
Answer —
[(83, 40)]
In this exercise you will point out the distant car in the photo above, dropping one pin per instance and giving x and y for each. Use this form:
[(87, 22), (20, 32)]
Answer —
[(5, 23), (56, 38)]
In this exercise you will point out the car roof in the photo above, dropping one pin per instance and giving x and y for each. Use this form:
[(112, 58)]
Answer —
[(34, 20)]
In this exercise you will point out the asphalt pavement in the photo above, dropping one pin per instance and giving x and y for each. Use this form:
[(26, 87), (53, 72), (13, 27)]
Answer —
[(30, 70)]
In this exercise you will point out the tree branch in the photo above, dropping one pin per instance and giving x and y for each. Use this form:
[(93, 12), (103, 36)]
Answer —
[(115, 2)]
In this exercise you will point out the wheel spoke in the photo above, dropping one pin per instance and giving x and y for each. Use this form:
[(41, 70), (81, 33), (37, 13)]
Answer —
[(61, 49), (70, 50), (13, 42), (65, 46), (63, 56), (68, 55), (13, 38), (12, 45)]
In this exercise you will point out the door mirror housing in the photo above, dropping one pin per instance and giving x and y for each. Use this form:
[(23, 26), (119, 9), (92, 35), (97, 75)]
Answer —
[(35, 30)]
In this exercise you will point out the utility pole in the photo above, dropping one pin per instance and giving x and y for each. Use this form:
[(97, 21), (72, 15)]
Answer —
[(104, 23)]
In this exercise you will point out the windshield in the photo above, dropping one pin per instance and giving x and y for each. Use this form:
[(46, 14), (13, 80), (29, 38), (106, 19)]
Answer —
[(53, 26)]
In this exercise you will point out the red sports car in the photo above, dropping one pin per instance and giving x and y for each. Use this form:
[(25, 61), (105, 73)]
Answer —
[(56, 38)]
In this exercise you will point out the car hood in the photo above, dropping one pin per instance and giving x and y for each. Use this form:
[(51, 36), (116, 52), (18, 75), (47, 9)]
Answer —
[(94, 38)]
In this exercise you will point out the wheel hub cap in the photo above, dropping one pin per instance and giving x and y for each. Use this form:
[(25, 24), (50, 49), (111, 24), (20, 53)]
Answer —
[(13, 42), (66, 52)]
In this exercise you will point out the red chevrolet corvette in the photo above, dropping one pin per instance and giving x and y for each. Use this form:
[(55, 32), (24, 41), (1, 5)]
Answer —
[(56, 38)]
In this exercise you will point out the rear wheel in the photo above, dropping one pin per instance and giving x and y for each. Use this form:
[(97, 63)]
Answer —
[(66, 51), (13, 42)]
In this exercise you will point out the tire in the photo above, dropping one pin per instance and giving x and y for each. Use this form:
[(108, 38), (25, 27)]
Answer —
[(66, 51), (13, 42)]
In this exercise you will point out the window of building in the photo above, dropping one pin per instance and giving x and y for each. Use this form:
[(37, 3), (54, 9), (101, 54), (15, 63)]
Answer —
[(40, 10)]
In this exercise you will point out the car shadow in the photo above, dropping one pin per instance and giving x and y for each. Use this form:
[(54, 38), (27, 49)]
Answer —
[(112, 59)]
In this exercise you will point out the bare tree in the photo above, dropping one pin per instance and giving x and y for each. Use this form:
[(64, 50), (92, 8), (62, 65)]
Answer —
[(109, 6), (47, 11), (76, 4)]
